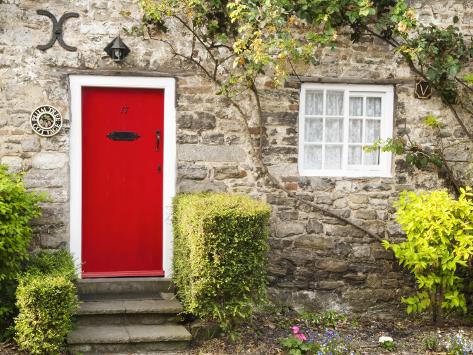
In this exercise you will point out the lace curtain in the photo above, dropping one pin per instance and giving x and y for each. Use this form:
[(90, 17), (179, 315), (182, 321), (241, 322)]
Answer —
[(364, 128)]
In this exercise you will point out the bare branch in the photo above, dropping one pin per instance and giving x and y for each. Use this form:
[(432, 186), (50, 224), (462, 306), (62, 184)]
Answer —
[(391, 42), (460, 121), (294, 70), (220, 45), (464, 84), (454, 182), (259, 109), (194, 33), (189, 58)]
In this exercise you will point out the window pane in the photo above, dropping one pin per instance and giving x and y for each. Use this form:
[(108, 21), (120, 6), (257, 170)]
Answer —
[(334, 103), (356, 106), (371, 158), (313, 156), (334, 130), (354, 155), (314, 103), (373, 107), (373, 130), (313, 129), (333, 157), (355, 131)]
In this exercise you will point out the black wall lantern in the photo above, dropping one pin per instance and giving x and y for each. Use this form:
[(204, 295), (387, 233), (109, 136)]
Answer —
[(117, 50)]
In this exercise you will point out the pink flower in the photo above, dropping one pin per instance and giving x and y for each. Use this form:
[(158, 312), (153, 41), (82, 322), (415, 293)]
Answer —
[(301, 336), (295, 329)]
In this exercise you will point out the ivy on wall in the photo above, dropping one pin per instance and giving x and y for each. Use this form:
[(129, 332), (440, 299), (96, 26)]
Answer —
[(235, 43)]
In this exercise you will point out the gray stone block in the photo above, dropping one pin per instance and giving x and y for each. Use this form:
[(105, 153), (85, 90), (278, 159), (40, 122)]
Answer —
[(201, 186), (49, 160), (208, 153)]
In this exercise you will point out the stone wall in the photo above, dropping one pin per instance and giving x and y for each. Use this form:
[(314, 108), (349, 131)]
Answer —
[(315, 261)]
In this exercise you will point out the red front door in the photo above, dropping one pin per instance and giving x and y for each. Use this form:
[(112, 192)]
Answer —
[(122, 182)]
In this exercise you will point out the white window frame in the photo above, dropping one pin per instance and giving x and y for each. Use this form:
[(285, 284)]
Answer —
[(384, 169)]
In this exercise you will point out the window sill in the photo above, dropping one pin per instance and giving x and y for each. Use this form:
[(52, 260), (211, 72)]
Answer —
[(345, 174)]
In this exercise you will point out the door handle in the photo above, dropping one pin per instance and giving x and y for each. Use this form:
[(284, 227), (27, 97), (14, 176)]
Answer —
[(158, 139)]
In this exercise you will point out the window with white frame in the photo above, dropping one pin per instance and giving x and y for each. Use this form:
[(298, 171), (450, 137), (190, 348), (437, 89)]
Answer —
[(336, 121)]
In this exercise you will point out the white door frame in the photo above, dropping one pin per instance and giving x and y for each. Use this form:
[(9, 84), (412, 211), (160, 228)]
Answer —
[(76, 82)]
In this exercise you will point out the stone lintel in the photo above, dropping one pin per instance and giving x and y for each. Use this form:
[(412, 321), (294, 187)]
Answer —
[(295, 82)]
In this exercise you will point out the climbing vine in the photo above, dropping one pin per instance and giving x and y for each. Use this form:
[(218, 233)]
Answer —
[(235, 43)]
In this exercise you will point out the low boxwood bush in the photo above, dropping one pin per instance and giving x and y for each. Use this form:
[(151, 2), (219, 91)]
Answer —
[(17, 208), (220, 246), (46, 300), (52, 263)]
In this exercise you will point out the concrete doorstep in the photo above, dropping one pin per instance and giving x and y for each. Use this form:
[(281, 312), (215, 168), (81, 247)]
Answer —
[(135, 317)]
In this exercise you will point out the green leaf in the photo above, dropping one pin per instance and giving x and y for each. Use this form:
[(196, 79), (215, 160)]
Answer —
[(433, 122), (437, 227), (468, 78)]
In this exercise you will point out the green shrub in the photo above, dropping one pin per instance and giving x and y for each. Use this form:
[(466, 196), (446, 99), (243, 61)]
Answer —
[(431, 342), (439, 231), (53, 263), (220, 246), (17, 208), (47, 300), (327, 319)]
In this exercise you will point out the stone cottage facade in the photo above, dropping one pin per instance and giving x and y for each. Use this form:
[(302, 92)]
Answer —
[(315, 260)]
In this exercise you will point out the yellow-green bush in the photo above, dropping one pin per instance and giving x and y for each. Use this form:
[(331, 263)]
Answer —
[(17, 208), (439, 242), (220, 245), (46, 300)]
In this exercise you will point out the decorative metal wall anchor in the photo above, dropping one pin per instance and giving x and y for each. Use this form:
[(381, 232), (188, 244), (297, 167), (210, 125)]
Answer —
[(46, 121), (57, 30), (423, 90)]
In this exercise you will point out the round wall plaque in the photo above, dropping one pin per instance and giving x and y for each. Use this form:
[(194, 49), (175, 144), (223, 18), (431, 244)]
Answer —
[(46, 121)]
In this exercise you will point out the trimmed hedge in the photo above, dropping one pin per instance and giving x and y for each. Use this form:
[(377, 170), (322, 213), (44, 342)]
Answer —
[(17, 208), (220, 245), (58, 263), (47, 300)]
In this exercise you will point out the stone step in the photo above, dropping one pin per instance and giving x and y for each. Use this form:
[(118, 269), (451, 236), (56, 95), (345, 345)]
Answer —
[(144, 306), (124, 285), (114, 339), (126, 296), (126, 319), (127, 316), (128, 311)]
